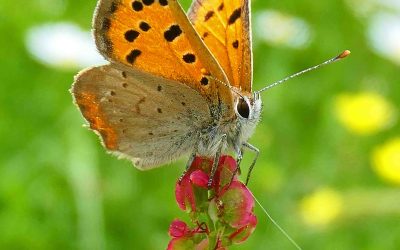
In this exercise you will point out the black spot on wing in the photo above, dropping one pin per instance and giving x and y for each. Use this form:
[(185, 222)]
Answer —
[(131, 35), (144, 26), (204, 81), (148, 2), (235, 16), (172, 33), (235, 44), (208, 15), (163, 2), (137, 6), (221, 7), (131, 57), (189, 58)]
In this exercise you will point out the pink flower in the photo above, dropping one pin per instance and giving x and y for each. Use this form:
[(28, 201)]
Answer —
[(178, 229), (244, 232), (228, 202), (237, 205)]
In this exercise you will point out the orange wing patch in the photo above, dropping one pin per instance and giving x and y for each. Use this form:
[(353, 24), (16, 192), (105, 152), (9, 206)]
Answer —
[(224, 26), (152, 35), (155, 36), (90, 108)]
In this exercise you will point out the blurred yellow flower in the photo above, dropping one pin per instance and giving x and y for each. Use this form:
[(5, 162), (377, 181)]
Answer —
[(364, 113), (386, 161), (321, 207)]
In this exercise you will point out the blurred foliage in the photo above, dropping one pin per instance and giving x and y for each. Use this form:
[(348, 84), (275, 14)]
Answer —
[(60, 190)]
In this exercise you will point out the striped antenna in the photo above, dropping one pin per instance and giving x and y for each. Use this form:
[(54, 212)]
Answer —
[(227, 85), (332, 60)]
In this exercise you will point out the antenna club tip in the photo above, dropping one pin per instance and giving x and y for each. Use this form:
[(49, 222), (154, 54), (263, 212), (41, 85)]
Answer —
[(344, 54)]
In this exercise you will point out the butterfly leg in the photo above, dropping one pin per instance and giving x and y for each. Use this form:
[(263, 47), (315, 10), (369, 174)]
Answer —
[(222, 142), (257, 152), (188, 164), (238, 161)]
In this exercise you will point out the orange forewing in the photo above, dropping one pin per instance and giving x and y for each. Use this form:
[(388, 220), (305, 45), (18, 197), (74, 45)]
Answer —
[(155, 36), (224, 26)]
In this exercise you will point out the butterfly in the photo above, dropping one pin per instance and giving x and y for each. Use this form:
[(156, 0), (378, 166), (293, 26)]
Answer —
[(175, 84)]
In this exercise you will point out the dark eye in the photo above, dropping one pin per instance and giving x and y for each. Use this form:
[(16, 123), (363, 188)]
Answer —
[(243, 108)]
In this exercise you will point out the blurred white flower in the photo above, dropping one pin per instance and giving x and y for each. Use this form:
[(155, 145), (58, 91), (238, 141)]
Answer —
[(63, 45), (277, 28), (368, 7), (384, 35), (393, 4), (383, 17)]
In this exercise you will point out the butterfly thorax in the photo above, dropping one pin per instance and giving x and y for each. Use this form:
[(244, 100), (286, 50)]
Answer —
[(237, 131)]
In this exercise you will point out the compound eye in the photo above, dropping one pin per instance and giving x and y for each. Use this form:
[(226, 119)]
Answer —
[(243, 108)]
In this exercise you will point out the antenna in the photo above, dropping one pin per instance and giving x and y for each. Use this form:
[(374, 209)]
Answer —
[(227, 85), (332, 60)]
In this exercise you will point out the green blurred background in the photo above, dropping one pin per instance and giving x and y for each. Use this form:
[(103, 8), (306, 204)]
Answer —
[(329, 165)]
